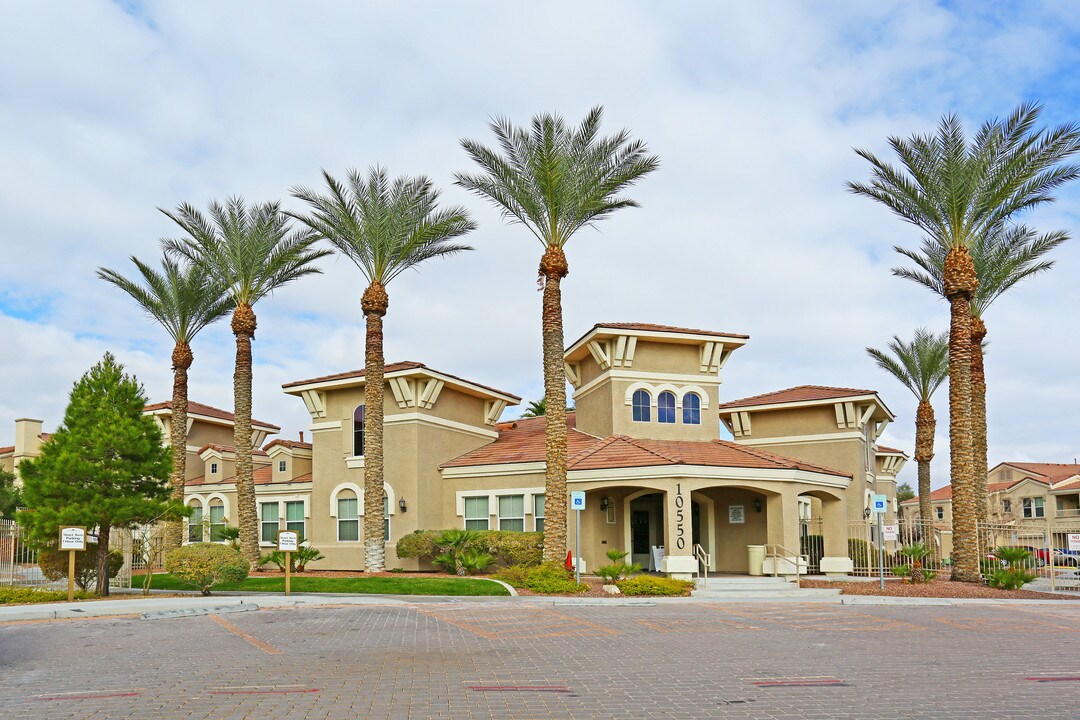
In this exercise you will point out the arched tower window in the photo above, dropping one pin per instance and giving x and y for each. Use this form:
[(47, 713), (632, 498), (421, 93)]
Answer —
[(665, 407), (358, 431), (691, 409), (642, 404)]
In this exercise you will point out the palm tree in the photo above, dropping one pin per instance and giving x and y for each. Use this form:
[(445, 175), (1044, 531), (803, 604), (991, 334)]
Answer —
[(1002, 259), (182, 299), (535, 409), (555, 180), (385, 227), (958, 193), (921, 366), (251, 251)]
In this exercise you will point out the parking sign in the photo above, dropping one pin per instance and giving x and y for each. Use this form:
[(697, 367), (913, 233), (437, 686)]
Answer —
[(577, 500), (880, 503)]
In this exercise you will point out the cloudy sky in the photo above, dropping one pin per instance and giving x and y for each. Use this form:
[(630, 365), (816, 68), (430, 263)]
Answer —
[(109, 110)]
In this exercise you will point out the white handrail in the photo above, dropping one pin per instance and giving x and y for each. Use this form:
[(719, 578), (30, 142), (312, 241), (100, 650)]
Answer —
[(776, 557), (705, 560)]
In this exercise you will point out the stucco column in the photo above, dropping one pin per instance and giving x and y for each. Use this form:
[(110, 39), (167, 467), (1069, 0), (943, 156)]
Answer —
[(679, 561), (783, 530), (834, 527)]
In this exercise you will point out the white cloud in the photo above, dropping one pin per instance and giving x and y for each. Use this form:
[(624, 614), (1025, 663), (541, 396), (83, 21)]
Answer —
[(105, 115)]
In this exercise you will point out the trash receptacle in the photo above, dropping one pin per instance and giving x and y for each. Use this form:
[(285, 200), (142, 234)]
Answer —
[(756, 554)]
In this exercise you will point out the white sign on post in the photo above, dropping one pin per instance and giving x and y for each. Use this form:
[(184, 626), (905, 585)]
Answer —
[(1074, 542), (73, 538), (577, 500), (288, 541), (879, 503), (890, 533)]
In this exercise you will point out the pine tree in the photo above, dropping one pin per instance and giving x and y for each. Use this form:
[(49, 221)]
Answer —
[(104, 467), (10, 497)]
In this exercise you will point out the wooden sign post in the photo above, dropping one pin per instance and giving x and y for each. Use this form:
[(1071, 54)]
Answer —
[(288, 542), (72, 539)]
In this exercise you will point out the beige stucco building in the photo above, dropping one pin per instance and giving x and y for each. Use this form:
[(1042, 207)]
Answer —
[(644, 445)]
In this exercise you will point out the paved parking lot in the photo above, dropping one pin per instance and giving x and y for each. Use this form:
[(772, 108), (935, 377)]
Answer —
[(527, 660)]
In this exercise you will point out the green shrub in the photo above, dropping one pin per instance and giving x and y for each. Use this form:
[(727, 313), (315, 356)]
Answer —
[(1009, 578), (306, 554), (54, 566), (508, 548), (859, 552), (207, 564), (649, 585), (27, 596), (552, 578), (515, 575), (230, 534), (610, 573)]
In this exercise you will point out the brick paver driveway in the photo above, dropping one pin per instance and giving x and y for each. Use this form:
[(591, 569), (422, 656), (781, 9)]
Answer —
[(523, 660)]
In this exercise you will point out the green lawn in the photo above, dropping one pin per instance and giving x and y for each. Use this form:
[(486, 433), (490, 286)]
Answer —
[(404, 585)]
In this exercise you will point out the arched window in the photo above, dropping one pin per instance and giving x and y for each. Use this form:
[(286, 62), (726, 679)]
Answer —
[(691, 409), (195, 522), (217, 520), (665, 407), (642, 404), (348, 516), (358, 431)]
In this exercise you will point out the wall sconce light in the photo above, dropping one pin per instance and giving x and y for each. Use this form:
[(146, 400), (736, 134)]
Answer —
[(605, 503), (757, 506), (866, 513), (401, 504)]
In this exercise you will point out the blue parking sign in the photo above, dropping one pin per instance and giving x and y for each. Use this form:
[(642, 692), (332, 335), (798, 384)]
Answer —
[(577, 500)]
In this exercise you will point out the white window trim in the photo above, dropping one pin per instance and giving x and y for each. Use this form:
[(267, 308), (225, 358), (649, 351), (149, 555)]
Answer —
[(281, 500), (338, 521), (655, 390), (532, 506), (390, 495), (465, 519), (258, 505), (193, 501), (460, 495)]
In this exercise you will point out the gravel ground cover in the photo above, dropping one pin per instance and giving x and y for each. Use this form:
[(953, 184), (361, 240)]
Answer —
[(934, 589)]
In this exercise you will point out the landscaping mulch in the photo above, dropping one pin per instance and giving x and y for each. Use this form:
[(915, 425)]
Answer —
[(934, 589)]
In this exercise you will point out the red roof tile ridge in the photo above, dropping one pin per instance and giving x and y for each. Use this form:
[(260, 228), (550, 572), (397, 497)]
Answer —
[(654, 327), (592, 449), (199, 408), (8, 449), (300, 444), (774, 395), (639, 443), (394, 367), (885, 449)]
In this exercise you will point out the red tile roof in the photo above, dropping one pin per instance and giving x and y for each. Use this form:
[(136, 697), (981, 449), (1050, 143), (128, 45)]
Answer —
[(1048, 473), (296, 444), (944, 493), (799, 393), (649, 327), (227, 449), (523, 441), (6, 450), (208, 411), (387, 369), (263, 476), (889, 450)]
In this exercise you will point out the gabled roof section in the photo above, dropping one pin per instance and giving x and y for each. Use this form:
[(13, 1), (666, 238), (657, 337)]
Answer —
[(407, 368), (228, 450), (207, 412), (7, 450), (1046, 473), (291, 444), (263, 476), (944, 493), (666, 333), (798, 394), (882, 450)]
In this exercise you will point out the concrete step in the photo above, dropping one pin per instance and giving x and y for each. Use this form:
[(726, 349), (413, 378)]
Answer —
[(791, 592)]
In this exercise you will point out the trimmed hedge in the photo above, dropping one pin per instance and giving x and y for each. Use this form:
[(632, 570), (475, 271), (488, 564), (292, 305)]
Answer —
[(29, 596), (54, 566), (650, 585), (207, 564), (508, 547), (549, 578)]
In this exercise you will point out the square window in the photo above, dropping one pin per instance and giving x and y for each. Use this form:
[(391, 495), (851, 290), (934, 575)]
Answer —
[(294, 517), (512, 512), (268, 522), (195, 528), (281, 466), (476, 513), (940, 512), (538, 513), (213, 468), (217, 523), (348, 520)]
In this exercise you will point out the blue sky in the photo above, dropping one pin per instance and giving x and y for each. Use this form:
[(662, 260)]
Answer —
[(111, 110)]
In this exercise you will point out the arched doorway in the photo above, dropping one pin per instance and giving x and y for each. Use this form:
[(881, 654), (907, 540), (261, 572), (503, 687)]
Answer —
[(645, 511)]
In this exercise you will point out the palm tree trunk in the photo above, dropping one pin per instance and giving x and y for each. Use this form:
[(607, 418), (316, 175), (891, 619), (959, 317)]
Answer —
[(553, 269), (243, 327), (181, 361), (374, 304), (925, 426), (960, 281), (978, 416)]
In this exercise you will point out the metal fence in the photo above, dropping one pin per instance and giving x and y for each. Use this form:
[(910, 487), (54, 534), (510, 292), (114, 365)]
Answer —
[(864, 546), (19, 562), (1047, 542)]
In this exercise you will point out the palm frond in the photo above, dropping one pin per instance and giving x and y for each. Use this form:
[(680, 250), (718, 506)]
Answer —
[(921, 365)]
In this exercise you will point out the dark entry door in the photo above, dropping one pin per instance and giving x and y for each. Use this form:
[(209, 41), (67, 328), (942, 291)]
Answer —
[(695, 517), (639, 531)]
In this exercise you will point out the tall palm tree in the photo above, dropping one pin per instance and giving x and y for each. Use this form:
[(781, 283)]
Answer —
[(555, 180), (921, 366), (1002, 259), (251, 251), (535, 409), (957, 193), (385, 227), (183, 299)]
